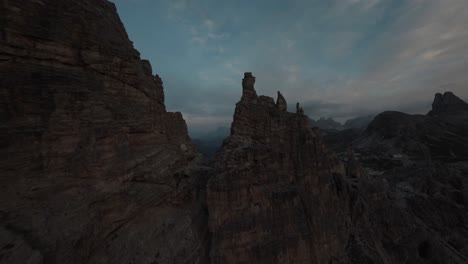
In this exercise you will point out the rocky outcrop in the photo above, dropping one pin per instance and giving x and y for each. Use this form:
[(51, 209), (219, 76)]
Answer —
[(281, 103), (273, 175), (423, 161), (447, 103), (279, 196), (93, 168), (440, 134), (248, 91)]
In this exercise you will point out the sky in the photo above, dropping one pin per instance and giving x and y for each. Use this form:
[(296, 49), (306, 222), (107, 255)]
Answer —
[(338, 58)]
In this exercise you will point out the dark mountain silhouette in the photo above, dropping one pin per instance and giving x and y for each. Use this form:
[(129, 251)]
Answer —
[(442, 133), (360, 122), (448, 103), (326, 123), (95, 170)]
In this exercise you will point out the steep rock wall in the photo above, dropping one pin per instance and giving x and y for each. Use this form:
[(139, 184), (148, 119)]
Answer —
[(274, 176), (93, 168)]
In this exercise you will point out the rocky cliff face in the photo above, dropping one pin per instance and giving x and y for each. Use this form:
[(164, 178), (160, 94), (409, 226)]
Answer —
[(423, 160), (442, 133), (273, 176), (93, 168), (447, 103), (279, 196)]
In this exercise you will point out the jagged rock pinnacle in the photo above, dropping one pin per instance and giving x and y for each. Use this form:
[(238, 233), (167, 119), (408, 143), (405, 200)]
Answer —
[(248, 90), (281, 103), (248, 81), (299, 109)]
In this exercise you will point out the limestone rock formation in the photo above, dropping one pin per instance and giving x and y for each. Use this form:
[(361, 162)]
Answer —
[(424, 161), (93, 168), (447, 103), (273, 172), (281, 103), (440, 133), (248, 90), (279, 196)]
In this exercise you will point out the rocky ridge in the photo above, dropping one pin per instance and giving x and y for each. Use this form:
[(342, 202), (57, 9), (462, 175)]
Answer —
[(447, 103), (279, 196), (94, 169), (440, 134), (271, 174), (424, 161)]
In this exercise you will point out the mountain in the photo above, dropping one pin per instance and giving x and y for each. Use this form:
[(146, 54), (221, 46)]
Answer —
[(360, 122), (442, 133), (279, 195), (448, 103), (271, 174), (208, 143), (424, 161), (93, 167), (326, 124), (341, 137), (95, 170)]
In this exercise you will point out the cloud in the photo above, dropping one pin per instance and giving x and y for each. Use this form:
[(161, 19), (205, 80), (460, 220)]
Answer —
[(202, 123), (339, 58), (209, 24), (419, 48)]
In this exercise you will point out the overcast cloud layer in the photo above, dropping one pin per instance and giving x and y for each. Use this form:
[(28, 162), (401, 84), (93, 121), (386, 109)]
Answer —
[(339, 58)]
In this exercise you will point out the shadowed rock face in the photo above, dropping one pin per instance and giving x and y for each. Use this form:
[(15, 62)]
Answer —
[(248, 91), (281, 103), (423, 159), (273, 176), (442, 133), (279, 196), (447, 103), (93, 168)]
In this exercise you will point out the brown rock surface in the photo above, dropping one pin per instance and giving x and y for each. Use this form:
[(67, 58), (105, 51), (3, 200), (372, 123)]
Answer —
[(442, 133), (93, 168), (274, 175), (279, 196)]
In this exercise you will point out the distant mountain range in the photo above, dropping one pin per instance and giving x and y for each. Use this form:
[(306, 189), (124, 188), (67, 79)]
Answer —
[(329, 123), (209, 142)]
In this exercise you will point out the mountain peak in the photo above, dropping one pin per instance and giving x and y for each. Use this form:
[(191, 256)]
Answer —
[(248, 90), (281, 102), (447, 103)]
